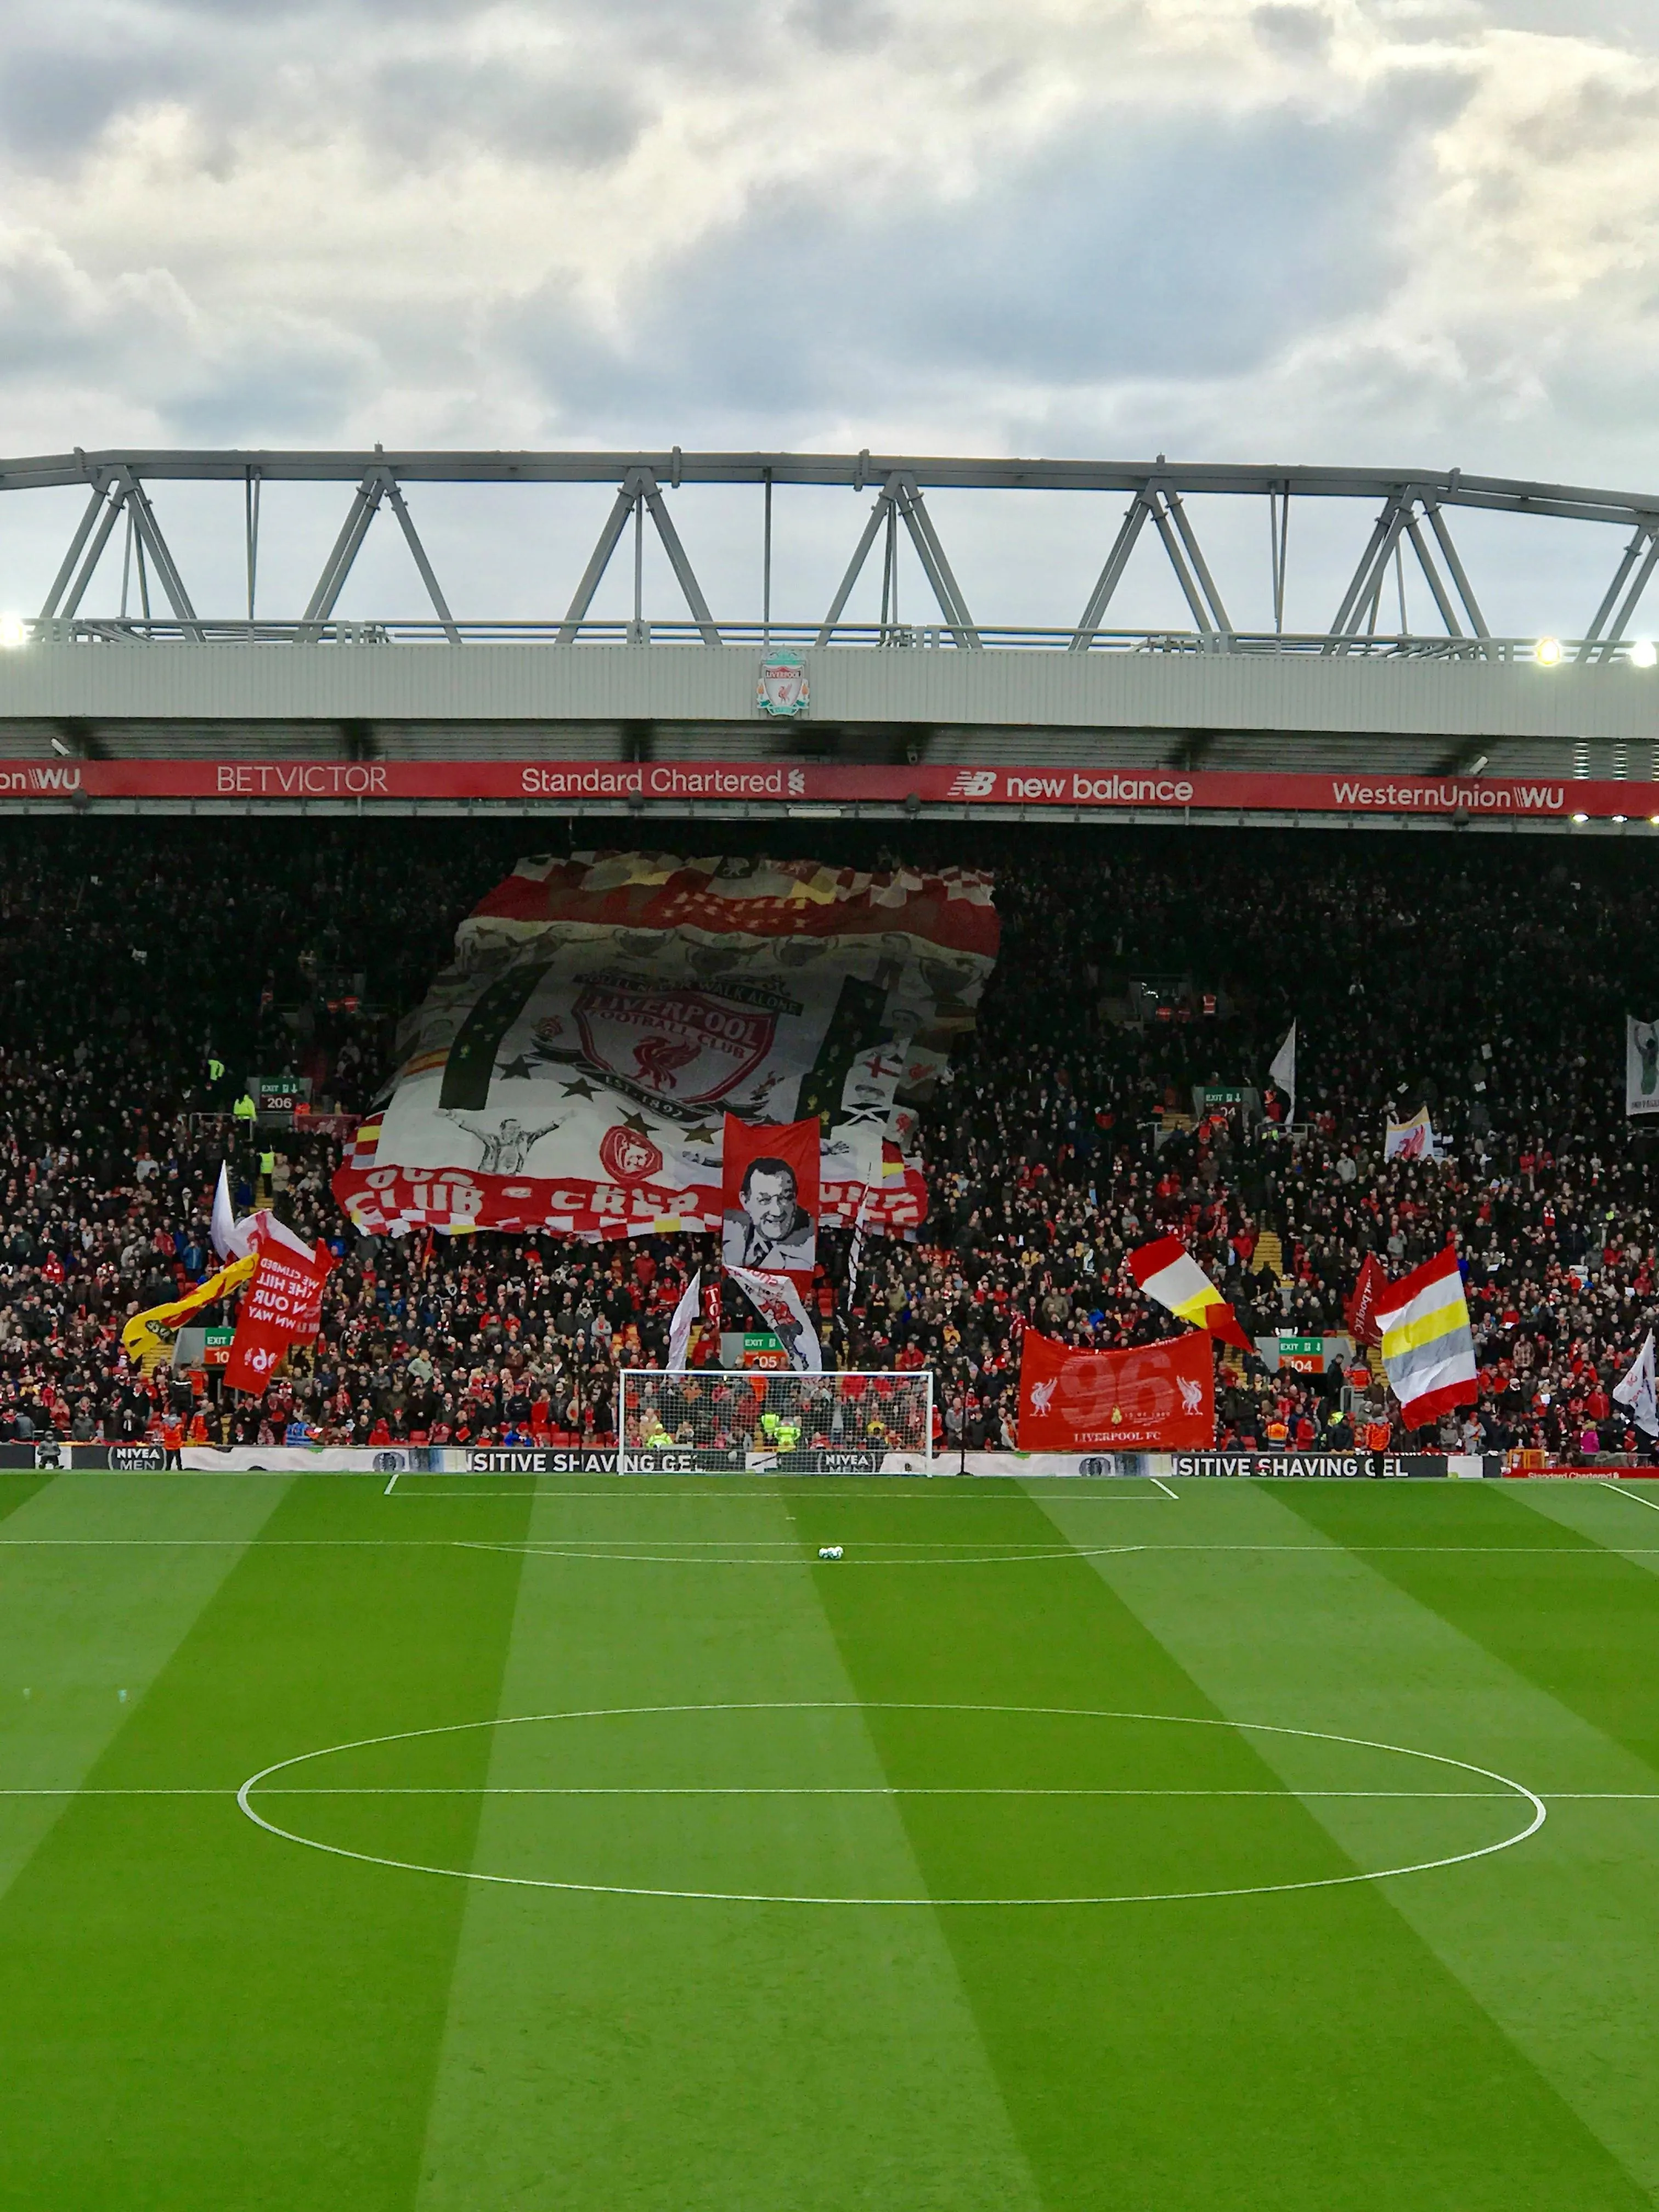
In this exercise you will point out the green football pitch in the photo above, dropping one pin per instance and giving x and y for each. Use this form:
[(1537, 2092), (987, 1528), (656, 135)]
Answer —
[(590, 1844)]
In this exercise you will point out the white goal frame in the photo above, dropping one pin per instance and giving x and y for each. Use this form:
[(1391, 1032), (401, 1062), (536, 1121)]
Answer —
[(899, 1399)]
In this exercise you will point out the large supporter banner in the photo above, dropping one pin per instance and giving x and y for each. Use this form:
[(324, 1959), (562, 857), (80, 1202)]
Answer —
[(1160, 1397), (1092, 789), (575, 1069)]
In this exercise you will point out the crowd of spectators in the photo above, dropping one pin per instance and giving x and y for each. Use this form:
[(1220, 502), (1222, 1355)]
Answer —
[(147, 970)]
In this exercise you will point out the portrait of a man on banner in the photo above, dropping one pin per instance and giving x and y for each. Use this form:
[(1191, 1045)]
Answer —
[(769, 1195)]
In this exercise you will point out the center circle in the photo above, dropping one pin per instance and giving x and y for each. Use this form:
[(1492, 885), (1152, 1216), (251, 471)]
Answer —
[(839, 1803)]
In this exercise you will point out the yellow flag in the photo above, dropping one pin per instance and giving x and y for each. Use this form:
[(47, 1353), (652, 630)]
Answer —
[(148, 1337)]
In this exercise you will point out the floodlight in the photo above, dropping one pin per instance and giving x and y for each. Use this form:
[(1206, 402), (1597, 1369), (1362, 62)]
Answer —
[(60, 748), (1547, 652), (1581, 818), (1643, 652), (14, 632), (1617, 817)]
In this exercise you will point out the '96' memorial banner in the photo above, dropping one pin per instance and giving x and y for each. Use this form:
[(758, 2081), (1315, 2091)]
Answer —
[(1158, 1397)]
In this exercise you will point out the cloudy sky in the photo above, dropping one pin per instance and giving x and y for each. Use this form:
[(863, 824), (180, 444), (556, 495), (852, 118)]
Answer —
[(1380, 231)]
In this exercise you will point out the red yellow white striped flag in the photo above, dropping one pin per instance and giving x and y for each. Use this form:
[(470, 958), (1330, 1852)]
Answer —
[(1427, 1345), (1167, 1271)]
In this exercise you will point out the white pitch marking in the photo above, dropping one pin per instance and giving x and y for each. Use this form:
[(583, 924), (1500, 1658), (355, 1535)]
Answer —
[(1625, 1491), (699, 1556), (810, 1790), (393, 1484), (842, 1704), (1310, 1550), (1159, 1483)]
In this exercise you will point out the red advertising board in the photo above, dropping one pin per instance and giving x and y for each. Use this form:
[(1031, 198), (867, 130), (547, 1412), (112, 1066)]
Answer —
[(1160, 1397), (1104, 791)]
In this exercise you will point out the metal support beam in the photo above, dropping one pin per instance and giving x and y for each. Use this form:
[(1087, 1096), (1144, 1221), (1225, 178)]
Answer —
[(1111, 576), (1184, 576), (97, 505), (1195, 554), (1279, 536), (251, 484), (855, 566), (440, 606), (1641, 542), (678, 560), (599, 561), (150, 540), (937, 569), (1432, 576), (1442, 529), (1633, 597), (347, 546), (1366, 584)]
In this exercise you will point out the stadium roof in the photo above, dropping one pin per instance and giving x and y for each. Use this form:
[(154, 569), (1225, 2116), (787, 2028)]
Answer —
[(1212, 718)]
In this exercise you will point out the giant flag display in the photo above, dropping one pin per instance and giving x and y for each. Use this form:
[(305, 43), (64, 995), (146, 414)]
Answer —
[(1167, 1271), (1427, 1348), (1158, 1397), (572, 1070)]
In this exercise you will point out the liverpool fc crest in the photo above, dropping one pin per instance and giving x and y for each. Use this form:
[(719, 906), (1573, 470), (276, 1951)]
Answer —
[(782, 689)]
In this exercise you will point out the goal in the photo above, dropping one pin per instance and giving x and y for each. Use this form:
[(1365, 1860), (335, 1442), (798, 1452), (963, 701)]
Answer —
[(710, 1420)]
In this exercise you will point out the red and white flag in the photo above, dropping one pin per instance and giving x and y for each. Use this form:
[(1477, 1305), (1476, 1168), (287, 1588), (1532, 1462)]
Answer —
[(778, 1302), (283, 1306), (1359, 1311)]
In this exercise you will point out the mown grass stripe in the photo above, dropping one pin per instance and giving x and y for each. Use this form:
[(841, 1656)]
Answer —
[(250, 2025), (1297, 2052), (1553, 1630)]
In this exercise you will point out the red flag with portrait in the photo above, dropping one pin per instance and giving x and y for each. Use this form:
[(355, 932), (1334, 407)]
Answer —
[(769, 1196)]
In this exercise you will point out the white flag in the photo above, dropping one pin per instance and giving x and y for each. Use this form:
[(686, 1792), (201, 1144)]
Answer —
[(1637, 1391), (1283, 1071), (222, 1229), (679, 1329), (777, 1302)]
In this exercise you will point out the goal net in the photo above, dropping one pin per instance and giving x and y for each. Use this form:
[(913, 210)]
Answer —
[(764, 1421)]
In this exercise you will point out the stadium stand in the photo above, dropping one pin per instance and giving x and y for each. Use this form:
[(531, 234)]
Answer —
[(1142, 973)]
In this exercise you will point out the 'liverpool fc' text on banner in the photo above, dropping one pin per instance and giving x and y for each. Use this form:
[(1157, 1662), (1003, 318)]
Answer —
[(1158, 1397)]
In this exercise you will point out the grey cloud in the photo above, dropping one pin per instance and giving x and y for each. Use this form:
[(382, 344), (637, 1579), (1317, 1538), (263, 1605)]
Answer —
[(1293, 30), (420, 108), (1116, 254), (843, 25)]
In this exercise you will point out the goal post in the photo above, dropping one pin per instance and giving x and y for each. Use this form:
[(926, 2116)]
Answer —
[(711, 1420)]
